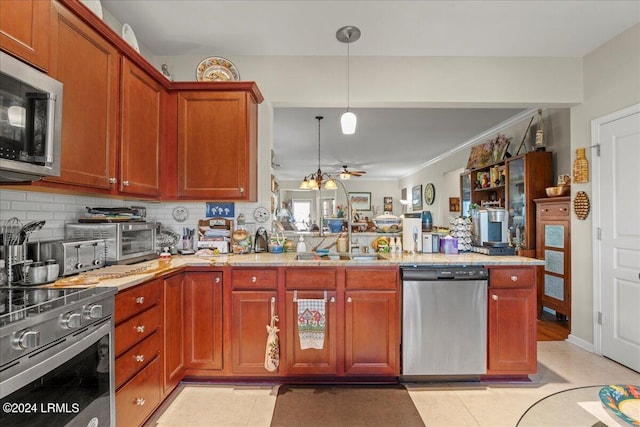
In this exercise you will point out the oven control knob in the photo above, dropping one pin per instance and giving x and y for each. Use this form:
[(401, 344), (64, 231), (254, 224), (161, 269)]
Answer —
[(97, 262), (79, 266), (26, 339), (93, 311), (71, 320)]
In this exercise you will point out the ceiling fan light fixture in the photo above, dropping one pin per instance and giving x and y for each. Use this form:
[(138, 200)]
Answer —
[(348, 122), (345, 175), (348, 35)]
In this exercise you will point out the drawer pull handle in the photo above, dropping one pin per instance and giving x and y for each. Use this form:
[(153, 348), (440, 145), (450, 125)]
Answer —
[(563, 209), (140, 401), (140, 329), (514, 278), (332, 299), (217, 280), (348, 299), (139, 358), (494, 297), (254, 279), (545, 210), (140, 300)]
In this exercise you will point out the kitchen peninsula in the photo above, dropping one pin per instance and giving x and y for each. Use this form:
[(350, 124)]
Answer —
[(205, 318)]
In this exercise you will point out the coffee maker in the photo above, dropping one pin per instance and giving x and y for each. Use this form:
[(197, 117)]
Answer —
[(490, 227)]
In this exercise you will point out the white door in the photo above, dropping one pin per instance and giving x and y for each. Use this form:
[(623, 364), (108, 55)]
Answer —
[(619, 190)]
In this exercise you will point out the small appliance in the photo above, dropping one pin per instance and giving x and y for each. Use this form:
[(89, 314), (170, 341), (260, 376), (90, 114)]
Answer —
[(490, 227), (430, 243), (127, 242), (71, 255), (261, 242), (31, 107), (412, 232)]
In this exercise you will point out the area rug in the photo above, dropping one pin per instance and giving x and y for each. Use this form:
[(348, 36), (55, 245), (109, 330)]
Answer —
[(344, 405)]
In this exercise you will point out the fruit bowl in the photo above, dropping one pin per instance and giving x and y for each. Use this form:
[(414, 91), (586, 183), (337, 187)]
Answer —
[(335, 224), (386, 221), (561, 190)]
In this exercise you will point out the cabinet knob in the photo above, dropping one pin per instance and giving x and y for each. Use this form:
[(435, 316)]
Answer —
[(349, 299), (216, 280), (113, 180), (242, 189), (545, 210), (140, 401), (333, 299), (140, 300), (514, 278), (140, 329), (139, 358), (494, 297), (254, 279), (125, 183), (563, 209)]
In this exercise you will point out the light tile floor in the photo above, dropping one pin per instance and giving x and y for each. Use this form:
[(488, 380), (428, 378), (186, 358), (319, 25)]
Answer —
[(561, 366)]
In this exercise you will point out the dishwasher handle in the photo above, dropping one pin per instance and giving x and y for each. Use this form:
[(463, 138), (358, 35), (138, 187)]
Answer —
[(453, 273)]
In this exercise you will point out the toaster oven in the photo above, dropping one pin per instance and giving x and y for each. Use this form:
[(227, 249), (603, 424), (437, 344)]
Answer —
[(127, 242)]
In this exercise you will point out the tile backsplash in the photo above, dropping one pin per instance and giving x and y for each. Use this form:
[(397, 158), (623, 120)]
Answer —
[(59, 209)]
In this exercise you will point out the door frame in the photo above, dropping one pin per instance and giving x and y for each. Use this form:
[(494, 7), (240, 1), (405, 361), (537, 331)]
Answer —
[(596, 218)]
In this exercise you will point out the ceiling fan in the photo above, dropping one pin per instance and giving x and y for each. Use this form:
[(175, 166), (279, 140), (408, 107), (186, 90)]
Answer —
[(346, 174)]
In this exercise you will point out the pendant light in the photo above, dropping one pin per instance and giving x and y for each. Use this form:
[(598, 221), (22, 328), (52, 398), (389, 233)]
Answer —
[(348, 35)]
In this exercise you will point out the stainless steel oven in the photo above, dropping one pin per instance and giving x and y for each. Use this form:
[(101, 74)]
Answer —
[(56, 357), (30, 122)]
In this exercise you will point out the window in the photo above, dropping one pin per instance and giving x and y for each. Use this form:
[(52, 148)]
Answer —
[(301, 214)]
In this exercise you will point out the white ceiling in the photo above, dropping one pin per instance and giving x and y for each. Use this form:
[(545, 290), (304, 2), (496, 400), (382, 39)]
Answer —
[(389, 142)]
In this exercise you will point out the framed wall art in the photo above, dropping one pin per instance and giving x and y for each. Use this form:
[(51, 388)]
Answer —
[(360, 201), (454, 204), (416, 198), (388, 204)]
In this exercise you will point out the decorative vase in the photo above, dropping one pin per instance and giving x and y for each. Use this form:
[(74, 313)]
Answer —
[(580, 167)]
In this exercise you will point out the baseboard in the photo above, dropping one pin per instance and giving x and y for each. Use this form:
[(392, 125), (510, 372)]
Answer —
[(580, 343)]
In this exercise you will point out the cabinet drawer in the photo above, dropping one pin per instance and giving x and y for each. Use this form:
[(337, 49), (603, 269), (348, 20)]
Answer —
[(140, 396), (254, 278), (311, 278), (136, 300), (512, 277), (130, 362), (136, 329), (371, 278), (548, 210)]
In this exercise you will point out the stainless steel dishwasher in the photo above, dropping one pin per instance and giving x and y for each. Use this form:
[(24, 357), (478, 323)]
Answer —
[(444, 321)]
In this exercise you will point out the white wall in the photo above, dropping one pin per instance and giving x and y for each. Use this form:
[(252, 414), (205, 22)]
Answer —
[(611, 83)]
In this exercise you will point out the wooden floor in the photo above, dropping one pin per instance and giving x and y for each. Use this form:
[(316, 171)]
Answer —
[(550, 329)]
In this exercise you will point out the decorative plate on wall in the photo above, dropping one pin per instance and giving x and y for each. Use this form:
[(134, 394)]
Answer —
[(216, 69)]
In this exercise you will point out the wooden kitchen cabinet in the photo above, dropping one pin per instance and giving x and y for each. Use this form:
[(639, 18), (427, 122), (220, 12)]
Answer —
[(217, 140), (553, 225), (173, 322), (24, 30), (141, 129), (311, 283), (138, 352), (88, 66), (203, 321), (512, 341), (253, 292), (372, 322)]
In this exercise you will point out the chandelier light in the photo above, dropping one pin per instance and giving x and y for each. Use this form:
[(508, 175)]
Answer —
[(315, 180), (348, 35)]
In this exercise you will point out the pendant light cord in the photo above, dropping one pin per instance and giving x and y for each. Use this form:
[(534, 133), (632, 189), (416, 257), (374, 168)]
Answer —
[(348, 74)]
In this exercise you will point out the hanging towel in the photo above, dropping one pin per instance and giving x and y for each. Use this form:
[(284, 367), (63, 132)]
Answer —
[(272, 352), (311, 323)]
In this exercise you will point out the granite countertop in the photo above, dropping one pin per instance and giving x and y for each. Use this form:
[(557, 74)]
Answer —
[(156, 268)]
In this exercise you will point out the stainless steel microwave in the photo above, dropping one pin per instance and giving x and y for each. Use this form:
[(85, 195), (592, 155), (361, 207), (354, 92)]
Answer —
[(127, 242), (30, 122)]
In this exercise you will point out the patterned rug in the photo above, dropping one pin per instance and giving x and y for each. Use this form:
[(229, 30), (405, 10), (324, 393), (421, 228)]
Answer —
[(345, 405)]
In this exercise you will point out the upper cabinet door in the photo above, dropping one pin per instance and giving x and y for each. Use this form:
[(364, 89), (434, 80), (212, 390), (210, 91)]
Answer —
[(141, 130), (24, 30), (88, 67), (217, 145)]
